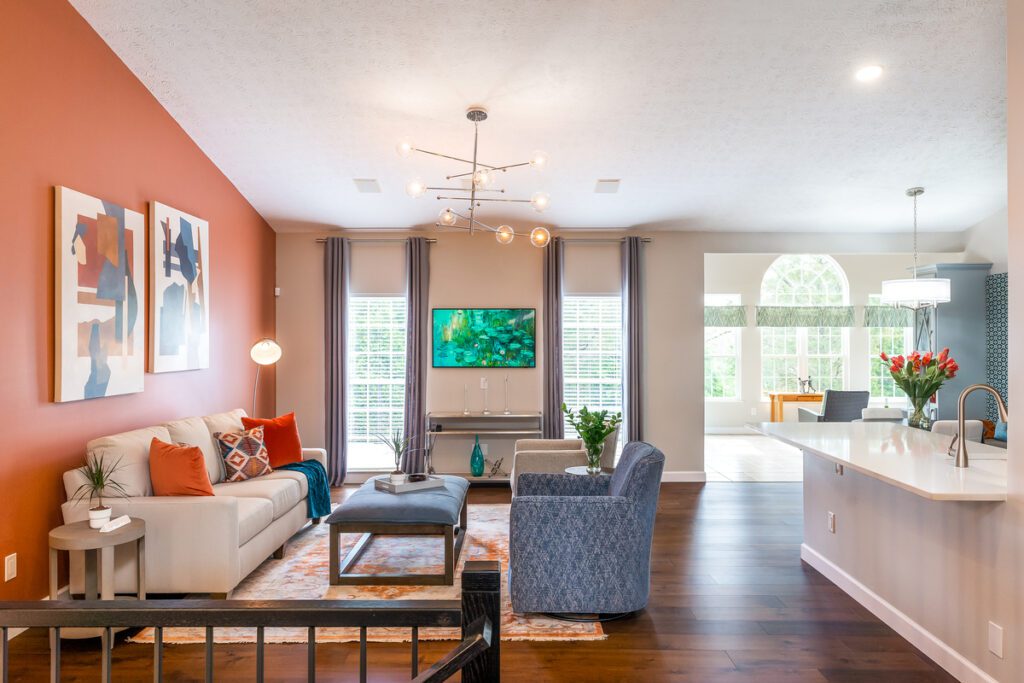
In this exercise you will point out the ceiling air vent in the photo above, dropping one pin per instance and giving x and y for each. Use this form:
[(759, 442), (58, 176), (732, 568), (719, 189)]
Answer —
[(367, 185), (607, 186)]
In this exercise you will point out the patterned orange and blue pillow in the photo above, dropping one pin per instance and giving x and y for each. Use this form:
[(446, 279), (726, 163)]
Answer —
[(245, 454)]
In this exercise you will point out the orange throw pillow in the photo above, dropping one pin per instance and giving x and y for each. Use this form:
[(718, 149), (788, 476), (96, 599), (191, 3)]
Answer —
[(281, 436), (178, 470)]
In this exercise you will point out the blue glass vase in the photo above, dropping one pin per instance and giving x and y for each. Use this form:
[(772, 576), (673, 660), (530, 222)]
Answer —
[(476, 460)]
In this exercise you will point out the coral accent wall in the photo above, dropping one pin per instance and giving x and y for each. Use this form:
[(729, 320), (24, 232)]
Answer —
[(73, 114)]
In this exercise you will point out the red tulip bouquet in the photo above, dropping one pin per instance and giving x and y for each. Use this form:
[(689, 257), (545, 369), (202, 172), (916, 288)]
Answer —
[(920, 376)]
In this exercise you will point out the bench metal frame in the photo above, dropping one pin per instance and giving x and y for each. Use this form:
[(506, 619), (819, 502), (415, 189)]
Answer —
[(341, 574)]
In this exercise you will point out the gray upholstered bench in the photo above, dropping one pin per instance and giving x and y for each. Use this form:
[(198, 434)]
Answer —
[(440, 511)]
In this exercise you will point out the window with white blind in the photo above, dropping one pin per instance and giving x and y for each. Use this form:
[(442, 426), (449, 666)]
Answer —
[(722, 354), (894, 341), (376, 377), (592, 354)]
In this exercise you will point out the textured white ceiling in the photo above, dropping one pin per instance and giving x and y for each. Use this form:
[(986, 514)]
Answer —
[(716, 114)]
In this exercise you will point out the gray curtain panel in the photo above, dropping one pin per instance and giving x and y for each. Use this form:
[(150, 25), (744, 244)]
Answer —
[(632, 339), (337, 253), (554, 264), (417, 265)]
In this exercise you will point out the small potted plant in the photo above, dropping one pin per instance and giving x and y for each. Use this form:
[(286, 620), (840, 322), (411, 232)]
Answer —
[(99, 481), (593, 428), (920, 376), (398, 445)]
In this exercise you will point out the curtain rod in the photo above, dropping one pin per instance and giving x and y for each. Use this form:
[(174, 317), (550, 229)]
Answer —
[(382, 240), (596, 240)]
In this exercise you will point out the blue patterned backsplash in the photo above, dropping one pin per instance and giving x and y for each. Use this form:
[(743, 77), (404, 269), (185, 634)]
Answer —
[(996, 325)]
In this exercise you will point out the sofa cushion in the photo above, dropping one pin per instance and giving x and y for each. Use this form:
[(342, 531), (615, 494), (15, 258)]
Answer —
[(132, 449), (194, 432), (230, 421), (298, 477), (281, 435), (245, 454), (429, 506), (177, 470), (254, 515), (282, 494)]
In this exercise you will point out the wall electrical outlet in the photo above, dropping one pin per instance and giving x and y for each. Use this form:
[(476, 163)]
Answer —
[(995, 639), (483, 382), (831, 522), (10, 566)]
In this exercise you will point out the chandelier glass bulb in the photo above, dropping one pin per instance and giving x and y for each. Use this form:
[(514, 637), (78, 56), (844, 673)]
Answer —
[(539, 160), (404, 148), (447, 217), (504, 234), (539, 237), (540, 200), (481, 179), (415, 188)]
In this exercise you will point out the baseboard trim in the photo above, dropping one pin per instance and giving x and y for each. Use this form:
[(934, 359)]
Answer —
[(924, 640), (687, 476)]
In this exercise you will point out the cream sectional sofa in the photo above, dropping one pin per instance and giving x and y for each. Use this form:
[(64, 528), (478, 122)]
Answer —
[(194, 544)]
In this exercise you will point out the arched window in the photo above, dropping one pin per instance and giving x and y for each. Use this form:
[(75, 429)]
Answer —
[(789, 353)]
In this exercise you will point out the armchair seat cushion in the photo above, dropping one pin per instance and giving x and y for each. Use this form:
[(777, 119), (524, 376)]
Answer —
[(282, 494)]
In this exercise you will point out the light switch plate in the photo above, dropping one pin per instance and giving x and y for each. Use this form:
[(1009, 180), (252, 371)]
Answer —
[(832, 522), (995, 639), (11, 567)]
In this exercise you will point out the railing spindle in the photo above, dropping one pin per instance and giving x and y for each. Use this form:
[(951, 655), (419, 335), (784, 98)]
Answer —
[(415, 651), (259, 654), (106, 643), (4, 661), (54, 654), (209, 654), (311, 655), (158, 654), (362, 654)]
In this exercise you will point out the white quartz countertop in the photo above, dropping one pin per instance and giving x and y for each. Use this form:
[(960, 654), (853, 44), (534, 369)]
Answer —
[(911, 459)]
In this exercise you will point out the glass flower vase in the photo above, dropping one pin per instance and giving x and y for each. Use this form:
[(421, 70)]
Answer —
[(919, 419), (594, 452)]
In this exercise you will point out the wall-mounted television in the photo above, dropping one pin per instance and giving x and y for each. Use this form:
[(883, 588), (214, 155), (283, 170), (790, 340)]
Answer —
[(485, 338)]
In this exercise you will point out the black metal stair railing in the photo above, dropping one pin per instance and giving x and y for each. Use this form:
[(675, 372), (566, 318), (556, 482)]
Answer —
[(478, 614)]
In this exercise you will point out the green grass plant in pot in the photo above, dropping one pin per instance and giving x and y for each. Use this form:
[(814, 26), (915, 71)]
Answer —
[(99, 482), (398, 445), (593, 428)]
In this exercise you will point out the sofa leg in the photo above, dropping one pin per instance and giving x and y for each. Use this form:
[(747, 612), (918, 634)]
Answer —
[(279, 553), (315, 521)]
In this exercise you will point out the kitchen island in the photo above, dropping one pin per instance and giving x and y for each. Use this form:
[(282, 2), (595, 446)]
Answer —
[(891, 521)]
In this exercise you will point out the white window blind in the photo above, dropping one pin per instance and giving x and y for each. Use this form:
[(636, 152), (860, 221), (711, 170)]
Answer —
[(376, 377), (592, 354), (895, 341)]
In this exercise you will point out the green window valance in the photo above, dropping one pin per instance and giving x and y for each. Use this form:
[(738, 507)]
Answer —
[(888, 316), (725, 316), (805, 316)]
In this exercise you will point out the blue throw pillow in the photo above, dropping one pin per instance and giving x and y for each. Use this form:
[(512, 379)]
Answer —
[(1000, 431)]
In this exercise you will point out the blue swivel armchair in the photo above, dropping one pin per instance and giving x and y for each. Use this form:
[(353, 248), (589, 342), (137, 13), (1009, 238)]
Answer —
[(581, 544)]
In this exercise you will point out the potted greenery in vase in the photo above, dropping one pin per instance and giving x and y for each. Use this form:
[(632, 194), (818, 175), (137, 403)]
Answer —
[(398, 445), (593, 428), (99, 482), (920, 376)]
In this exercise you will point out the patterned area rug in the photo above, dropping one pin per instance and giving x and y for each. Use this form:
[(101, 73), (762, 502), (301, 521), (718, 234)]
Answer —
[(302, 575)]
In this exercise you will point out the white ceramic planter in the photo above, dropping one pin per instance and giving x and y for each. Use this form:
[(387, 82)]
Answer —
[(99, 516)]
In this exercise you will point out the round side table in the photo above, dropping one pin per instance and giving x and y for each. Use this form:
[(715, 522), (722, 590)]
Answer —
[(99, 562), (582, 470)]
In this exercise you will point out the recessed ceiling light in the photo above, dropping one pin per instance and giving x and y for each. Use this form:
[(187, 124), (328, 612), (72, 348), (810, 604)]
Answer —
[(869, 73), (367, 185), (607, 186)]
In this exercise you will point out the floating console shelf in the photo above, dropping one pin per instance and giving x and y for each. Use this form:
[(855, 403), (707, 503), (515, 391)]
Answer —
[(517, 425)]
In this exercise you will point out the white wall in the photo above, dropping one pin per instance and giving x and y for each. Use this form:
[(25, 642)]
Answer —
[(742, 273), (987, 241)]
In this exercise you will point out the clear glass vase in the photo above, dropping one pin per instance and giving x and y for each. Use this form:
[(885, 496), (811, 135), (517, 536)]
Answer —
[(919, 419), (594, 452)]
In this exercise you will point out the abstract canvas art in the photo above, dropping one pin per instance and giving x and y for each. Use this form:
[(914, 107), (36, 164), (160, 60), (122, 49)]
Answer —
[(99, 273), (179, 314), (485, 338)]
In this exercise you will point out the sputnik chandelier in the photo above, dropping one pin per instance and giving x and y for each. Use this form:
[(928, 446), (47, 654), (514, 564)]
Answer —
[(481, 177)]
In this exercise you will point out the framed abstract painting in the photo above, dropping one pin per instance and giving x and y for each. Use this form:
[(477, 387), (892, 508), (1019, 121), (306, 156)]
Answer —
[(99, 294), (179, 287)]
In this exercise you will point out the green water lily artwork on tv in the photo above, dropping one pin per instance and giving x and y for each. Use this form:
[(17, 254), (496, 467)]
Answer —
[(485, 338)]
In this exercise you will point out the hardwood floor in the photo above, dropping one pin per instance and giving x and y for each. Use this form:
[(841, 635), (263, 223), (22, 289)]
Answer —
[(730, 602)]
